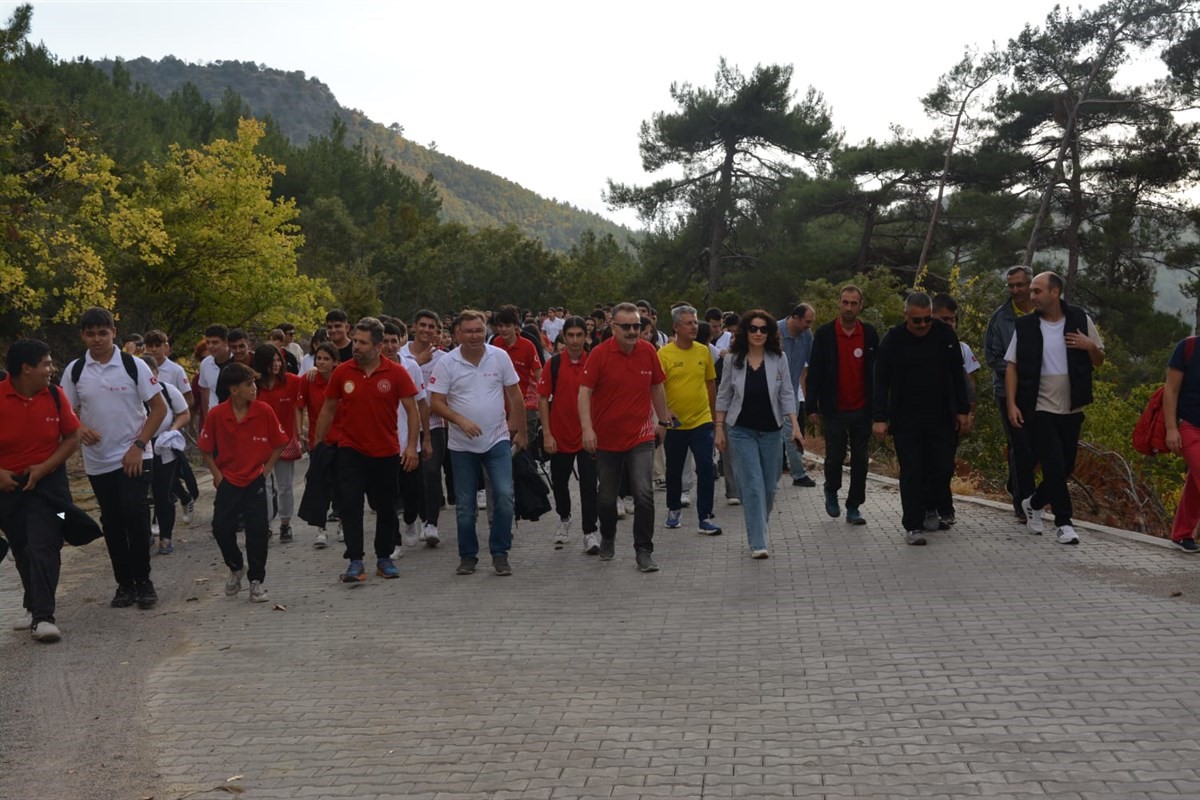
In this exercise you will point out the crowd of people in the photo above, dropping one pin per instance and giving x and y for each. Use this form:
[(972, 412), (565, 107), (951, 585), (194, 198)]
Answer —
[(396, 418)]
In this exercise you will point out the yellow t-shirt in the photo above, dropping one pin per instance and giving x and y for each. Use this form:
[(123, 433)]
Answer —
[(688, 372)]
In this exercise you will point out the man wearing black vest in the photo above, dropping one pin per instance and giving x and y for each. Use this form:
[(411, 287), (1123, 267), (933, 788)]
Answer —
[(1048, 382)]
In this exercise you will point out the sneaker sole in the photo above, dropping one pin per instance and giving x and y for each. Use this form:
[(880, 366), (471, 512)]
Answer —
[(380, 573), (431, 542), (353, 581), (1179, 546), (648, 569), (592, 551)]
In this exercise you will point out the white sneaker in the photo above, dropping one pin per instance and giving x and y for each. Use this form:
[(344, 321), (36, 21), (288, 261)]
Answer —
[(1067, 535), (258, 592), (398, 553), (481, 499), (620, 508), (46, 632), (560, 535), (429, 535), (760, 554), (591, 544), (1033, 517), (188, 510), (685, 500), (321, 540), (24, 622), (733, 501), (233, 584), (154, 529), (411, 537), (341, 534), (629, 506)]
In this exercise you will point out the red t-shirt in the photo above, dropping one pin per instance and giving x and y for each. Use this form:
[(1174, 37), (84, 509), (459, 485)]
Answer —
[(525, 360), (620, 384), (852, 373), (564, 410), (32, 427), (370, 405), (313, 396), (284, 398), (241, 447)]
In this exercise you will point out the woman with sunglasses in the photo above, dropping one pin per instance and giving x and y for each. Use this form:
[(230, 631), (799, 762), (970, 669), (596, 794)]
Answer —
[(754, 399)]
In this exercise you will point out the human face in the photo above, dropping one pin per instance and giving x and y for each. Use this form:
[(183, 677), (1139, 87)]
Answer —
[(506, 332), (471, 333), (1018, 288), (323, 362), (426, 333), (365, 350), (240, 349), (947, 316), (757, 332), (574, 339), (338, 332), (626, 329), (218, 348), (1044, 298), (245, 392), (40, 375), (276, 366), (391, 346), (685, 330), (849, 307), (919, 321), (648, 333), (798, 325), (159, 351), (590, 325), (100, 341)]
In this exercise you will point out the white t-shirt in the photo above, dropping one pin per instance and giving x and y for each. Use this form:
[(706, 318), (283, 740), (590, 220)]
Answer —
[(106, 399), (552, 328), (477, 393), (176, 405), (1054, 387), (970, 362), (172, 374), (207, 378), (723, 341), (418, 379), (427, 371)]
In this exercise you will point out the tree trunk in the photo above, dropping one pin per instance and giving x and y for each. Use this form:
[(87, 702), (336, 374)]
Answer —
[(937, 203), (1075, 186), (864, 245), (720, 214)]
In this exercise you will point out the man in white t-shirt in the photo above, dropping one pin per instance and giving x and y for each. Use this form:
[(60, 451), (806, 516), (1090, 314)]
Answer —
[(111, 391), (469, 389), (216, 338), (553, 324), (423, 348), (411, 483), (1048, 382), (158, 346)]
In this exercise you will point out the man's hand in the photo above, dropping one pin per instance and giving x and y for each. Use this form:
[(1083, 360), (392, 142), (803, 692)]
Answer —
[(132, 462), (36, 473), (880, 429), (89, 435), (469, 428), (719, 438), (520, 440), (409, 460), (962, 422), (589, 440), (8, 481), (548, 443), (1175, 442), (1015, 418), (660, 433)]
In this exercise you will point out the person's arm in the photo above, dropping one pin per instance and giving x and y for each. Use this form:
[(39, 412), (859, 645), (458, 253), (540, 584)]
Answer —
[(423, 413), (66, 447), (1082, 341), (516, 415), (299, 414), (1010, 393), (270, 465), (1170, 409), (548, 443), (658, 398), (410, 460), (325, 419), (711, 386), (585, 418), (883, 387), (994, 346), (132, 461), (213, 469), (440, 407)]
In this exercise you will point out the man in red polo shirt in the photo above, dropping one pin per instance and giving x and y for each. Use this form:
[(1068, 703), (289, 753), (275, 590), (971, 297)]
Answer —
[(371, 390), (840, 389), (562, 436), (525, 358), (621, 386), (39, 433)]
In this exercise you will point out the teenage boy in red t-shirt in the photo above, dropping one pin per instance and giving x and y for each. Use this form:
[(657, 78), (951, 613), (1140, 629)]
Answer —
[(38, 435), (241, 442)]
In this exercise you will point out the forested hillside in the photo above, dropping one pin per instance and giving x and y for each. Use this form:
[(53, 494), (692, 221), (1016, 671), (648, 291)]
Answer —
[(304, 108)]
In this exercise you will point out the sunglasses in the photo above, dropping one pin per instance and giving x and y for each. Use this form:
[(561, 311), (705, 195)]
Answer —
[(627, 326), (757, 328), (920, 320)]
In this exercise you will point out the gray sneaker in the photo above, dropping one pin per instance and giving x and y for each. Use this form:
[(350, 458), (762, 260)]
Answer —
[(931, 521), (608, 549), (591, 544), (915, 537), (258, 592), (23, 622), (645, 561), (234, 584), (501, 566)]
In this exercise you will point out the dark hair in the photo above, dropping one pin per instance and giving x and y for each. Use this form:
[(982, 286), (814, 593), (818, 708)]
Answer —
[(236, 335), (391, 328), (372, 326), (319, 337), (917, 300), (944, 302), (712, 314), (217, 330), (574, 322), (152, 363), (730, 318), (156, 338), (136, 338), (235, 374), (507, 315), (96, 317), (287, 327), (1019, 268), (25, 351), (336, 315), (425, 313), (264, 358), (329, 349), (740, 345), (703, 332), (850, 287)]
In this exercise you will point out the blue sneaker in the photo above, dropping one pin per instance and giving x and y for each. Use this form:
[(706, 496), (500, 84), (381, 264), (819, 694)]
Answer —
[(354, 574), (709, 527), (673, 518), (385, 568), (831, 504), (854, 516)]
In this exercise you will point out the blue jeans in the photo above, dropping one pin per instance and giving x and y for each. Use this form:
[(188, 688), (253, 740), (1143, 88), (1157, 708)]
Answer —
[(675, 448), (759, 462), (497, 463), (795, 458)]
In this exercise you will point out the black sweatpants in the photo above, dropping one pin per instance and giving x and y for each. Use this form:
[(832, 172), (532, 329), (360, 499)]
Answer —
[(926, 456), (561, 465), (358, 476), (249, 503), (1055, 439), (125, 519), (30, 521)]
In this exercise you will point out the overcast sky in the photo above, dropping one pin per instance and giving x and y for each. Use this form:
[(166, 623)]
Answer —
[(551, 94)]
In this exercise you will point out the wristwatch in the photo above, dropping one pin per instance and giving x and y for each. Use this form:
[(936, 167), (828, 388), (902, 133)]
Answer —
[(139, 444), (665, 424)]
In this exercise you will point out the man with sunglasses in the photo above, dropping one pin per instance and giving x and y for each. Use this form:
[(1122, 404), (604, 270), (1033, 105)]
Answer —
[(995, 344), (921, 400)]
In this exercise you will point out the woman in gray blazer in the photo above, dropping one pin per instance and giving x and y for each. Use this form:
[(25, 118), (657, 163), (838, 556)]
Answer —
[(754, 399)]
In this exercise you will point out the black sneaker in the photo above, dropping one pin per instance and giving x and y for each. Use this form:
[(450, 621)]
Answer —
[(124, 598), (645, 561), (145, 595), (466, 566), (1187, 545), (500, 564), (806, 482), (608, 549), (285, 533)]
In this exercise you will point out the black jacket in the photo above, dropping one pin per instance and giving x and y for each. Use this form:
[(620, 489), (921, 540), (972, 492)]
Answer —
[(920, 381), (1029, 359), (820, 396)]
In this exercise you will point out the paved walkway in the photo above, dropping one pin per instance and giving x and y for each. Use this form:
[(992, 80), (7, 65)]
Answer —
[(989, 663)]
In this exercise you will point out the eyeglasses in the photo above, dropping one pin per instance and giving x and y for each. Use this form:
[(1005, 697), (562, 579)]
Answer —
[(758, 328), (1021, 285), (627, 326), (920, 320)]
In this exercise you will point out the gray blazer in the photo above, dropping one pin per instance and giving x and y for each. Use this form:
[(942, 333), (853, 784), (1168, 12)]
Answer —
[(731, 393)]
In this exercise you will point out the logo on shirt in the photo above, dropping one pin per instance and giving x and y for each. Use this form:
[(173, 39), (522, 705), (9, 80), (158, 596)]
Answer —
[(384, 385), (858, 352), (348, 387), (432, 380)]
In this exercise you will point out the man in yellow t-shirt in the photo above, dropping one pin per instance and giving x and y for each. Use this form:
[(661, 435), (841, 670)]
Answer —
[(691, 394)]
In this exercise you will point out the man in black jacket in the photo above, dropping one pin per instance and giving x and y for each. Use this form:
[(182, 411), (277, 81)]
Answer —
[(840, 388), (1049, 381), (921, 399)]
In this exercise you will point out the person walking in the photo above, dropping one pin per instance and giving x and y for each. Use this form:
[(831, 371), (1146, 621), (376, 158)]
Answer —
[(1181, 413), (796, 339), (1051, 358), (754, 402)]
